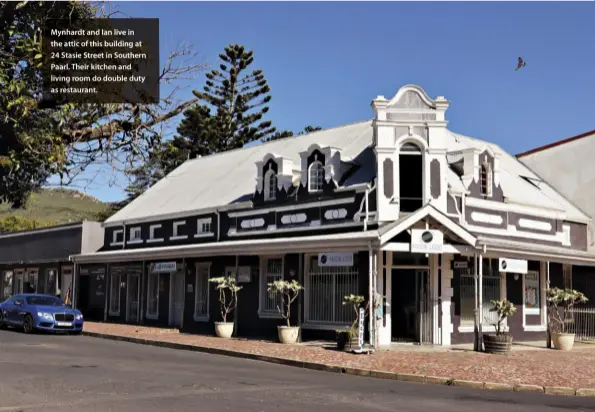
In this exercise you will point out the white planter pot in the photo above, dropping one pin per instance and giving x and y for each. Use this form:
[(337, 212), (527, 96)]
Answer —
[(288, 334), (563, 341), (224, 329)]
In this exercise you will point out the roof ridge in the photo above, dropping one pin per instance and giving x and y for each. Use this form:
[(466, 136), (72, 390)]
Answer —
[(557, 143)]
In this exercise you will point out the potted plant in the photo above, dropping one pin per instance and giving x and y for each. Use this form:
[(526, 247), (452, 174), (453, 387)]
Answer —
[(560, 303), (347, 339), (227, 301), (289, 291), (501, 342)]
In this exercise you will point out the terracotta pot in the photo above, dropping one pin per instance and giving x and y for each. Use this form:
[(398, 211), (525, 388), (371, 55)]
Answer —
[(288, 334), (563, 341), (497, 344), (224, 329)]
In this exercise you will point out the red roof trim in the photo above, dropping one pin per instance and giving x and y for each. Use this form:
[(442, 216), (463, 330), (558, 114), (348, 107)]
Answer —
[(558, 143)]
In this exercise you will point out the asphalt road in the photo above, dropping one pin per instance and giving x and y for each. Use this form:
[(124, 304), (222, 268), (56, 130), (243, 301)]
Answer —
[(77, 373)]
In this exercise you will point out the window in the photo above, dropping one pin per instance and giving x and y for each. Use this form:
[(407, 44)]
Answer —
[(491, 291), (324, 289), (51, 281), (152, 238), (201, 291), (114, 292), (270, 185), (117, 237), (531, 293), (31, 281), (411, 175), (271, 270), (485, 180), (7, 285), (204, 227), (177, 233), (153, 295), (135, 235), (316, 177)]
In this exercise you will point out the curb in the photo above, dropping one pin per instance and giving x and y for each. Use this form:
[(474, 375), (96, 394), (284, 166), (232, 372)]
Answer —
[(403, 377)]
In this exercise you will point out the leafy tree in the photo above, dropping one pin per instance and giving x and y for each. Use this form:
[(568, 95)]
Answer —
[(17, 223), (39, 138), (288, 133)]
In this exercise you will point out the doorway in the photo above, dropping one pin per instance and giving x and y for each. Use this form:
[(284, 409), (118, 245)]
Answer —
[(132, 298), (411, 306), (18, 283), (176, 305), (66, 283)]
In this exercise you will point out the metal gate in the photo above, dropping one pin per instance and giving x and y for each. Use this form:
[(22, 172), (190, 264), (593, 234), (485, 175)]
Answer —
[(424, 308)]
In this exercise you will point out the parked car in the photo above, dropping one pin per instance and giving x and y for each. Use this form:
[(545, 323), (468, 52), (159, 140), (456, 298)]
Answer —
[(40, 312)]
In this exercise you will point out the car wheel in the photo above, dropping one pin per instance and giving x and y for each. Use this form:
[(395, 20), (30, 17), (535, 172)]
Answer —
[(2, 324), (28, 324)]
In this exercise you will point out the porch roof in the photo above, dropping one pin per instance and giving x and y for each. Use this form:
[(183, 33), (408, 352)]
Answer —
[(449, 226), (525, 250), (306, 244)]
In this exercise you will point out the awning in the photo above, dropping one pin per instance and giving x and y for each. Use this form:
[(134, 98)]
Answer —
[(306, 244), (533, 251)]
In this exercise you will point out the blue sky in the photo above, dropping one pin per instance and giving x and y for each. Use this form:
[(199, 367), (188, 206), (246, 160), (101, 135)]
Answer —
[(325, 62)]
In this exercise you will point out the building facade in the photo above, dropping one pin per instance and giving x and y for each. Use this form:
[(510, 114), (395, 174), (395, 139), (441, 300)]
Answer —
[(37, 261), (398, 207)]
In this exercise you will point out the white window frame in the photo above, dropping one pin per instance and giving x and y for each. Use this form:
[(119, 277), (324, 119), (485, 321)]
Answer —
[(489, 179), (202, 316), (200, 226), (542, 308), (148, 314), (113, 275), (152, 238), (310, 189), (133, 239), (176, 226), (115, 234), (262, 287), (267, 185)]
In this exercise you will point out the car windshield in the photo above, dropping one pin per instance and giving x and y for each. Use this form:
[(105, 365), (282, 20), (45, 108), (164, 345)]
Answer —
[(44, 301)]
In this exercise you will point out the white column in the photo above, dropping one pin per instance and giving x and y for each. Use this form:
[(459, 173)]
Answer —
[(446, 296), (384, 332), (434, 273)]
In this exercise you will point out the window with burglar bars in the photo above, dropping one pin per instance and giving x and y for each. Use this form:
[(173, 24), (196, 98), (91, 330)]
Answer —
[(201, 298), (272, 270), (491, 291), (325, 288)]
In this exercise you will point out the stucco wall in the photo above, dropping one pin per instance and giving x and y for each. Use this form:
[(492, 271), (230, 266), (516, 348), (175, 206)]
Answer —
[(569, 168)]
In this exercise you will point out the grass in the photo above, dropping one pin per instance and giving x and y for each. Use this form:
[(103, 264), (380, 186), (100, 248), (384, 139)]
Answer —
[(58, 206)]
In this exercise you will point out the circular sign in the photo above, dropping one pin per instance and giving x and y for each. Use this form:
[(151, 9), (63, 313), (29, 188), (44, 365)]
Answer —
[(323, 259), (504, 264), (427, 236)]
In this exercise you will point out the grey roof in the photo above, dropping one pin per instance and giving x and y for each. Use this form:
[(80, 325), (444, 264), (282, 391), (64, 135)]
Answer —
[(230, 177)]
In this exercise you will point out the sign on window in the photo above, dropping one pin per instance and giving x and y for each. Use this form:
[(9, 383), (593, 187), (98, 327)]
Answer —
[(532, 293), (335, 259)]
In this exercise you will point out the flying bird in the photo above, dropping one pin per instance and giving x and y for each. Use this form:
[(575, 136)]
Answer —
[(521, 63)]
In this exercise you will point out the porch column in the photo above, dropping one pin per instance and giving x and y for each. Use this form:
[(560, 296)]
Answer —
[(446, 294), (434, 294), (384, 290)]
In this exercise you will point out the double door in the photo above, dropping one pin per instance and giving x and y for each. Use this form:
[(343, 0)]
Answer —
[(412, 306)]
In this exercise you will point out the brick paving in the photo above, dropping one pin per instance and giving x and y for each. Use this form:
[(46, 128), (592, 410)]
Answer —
[(532, 367)]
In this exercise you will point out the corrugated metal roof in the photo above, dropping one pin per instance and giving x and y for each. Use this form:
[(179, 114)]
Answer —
[(228, 178)]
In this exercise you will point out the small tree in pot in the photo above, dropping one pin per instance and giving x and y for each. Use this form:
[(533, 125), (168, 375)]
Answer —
[(560, 303), (289, 291), (348, 339), (501, 342), (228, 297)]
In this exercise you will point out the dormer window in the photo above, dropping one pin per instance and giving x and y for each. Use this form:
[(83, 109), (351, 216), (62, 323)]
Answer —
[(485, 180), (316, 176), (270, 185)]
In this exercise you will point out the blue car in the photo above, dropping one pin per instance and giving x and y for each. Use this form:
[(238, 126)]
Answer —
[(40, 312)]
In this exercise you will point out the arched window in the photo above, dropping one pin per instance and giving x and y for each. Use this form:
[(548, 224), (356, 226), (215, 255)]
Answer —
[(483, 180), (316, 177), (411, 175), (270, 185)]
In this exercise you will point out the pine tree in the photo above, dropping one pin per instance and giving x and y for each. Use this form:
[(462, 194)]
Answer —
[(288, 133)]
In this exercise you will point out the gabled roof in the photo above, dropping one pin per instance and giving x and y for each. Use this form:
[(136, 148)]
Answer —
[(230, 177), (558, 143), (388, 232)]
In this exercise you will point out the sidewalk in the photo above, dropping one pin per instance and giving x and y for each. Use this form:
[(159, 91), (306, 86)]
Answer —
[(544, 368)]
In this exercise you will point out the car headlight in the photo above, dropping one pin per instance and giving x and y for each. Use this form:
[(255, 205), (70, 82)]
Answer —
[(45, 315), (79, 316)]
